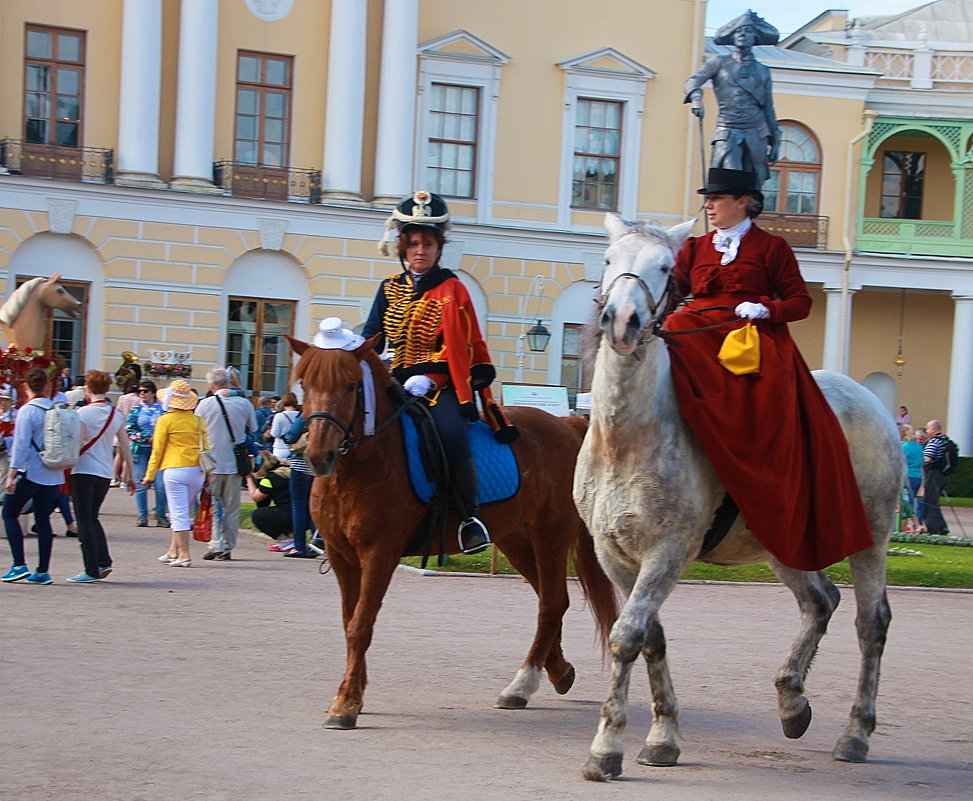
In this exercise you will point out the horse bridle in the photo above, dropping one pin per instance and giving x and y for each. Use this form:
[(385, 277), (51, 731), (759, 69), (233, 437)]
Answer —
[(348, 443)]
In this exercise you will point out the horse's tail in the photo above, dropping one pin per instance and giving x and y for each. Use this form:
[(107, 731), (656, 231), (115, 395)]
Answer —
[(597, 587)]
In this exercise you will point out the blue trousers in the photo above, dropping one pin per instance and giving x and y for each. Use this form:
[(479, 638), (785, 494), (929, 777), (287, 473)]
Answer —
[(45, 500), (142, 493), (300, 487)]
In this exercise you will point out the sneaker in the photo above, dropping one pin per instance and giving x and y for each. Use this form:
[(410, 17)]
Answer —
[(162, 522), (473, 536), (300, 555), (317, 542), (103, 572), (16, 573), (222, 557), (113, 483), (39, 578), (84, 578), (210, 555), (142, 522)]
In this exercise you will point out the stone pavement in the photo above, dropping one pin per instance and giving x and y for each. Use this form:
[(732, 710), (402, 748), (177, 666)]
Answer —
[(164, 684)]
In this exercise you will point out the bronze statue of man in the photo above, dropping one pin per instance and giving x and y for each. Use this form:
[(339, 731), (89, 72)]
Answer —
[(746, 136)]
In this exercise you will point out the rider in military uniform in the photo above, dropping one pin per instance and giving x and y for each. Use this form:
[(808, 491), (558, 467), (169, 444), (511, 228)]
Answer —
[(747, 136), (428, 320)]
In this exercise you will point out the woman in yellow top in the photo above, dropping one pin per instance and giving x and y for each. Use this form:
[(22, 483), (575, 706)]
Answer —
[(175, 450)]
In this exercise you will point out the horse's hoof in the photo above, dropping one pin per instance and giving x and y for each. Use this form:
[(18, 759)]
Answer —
[(659, 755), (795, 726), (341, 722), (851, 749), (603, 769), (510, 702), (566, 682)]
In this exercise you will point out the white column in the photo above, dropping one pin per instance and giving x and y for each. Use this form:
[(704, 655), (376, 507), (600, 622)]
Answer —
[(397, 102), (196, 97), (345, 114), (836, 352), (959, 413), (141, 79)]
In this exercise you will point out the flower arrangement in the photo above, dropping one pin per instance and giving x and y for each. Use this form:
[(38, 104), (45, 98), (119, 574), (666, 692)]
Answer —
[(162, 370), (15, 363)]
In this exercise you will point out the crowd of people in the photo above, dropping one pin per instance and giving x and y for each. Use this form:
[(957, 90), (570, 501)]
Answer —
[(170, 441)]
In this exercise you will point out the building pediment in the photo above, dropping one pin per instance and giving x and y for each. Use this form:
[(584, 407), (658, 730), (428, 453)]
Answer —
[(607, 61), (462, 46)]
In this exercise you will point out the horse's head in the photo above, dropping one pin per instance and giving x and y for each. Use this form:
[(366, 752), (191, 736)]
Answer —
[(332, 381), (637, 284), (50, 293)]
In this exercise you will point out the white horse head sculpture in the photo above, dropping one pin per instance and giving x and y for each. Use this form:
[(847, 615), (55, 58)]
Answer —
[(637, 282)]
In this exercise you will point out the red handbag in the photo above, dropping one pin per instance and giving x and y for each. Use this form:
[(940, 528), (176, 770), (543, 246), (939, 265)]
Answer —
[(203, 524)]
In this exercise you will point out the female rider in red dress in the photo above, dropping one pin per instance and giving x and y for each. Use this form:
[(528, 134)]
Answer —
[(771, 436)]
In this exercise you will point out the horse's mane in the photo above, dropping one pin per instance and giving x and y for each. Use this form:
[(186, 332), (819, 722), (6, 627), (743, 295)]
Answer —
[(14, 305)]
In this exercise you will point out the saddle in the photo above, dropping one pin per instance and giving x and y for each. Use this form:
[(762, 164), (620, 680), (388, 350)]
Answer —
[(498, 475)]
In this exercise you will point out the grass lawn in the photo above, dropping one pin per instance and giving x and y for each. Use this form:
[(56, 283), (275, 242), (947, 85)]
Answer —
[(938, 565)]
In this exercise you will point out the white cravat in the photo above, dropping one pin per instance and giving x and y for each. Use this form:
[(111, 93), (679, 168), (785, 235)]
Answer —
[(727, 241)]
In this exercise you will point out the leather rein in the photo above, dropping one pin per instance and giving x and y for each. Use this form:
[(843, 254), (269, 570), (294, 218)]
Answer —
[(348, 442), (665, 303)]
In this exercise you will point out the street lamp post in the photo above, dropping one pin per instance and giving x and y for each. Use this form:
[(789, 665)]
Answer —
[(533, 337)]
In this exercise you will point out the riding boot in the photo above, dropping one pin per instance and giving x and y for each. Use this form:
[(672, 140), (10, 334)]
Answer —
[(473, 535)]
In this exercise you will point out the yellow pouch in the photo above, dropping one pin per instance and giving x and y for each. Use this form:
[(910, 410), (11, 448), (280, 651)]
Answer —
[(740, 352)]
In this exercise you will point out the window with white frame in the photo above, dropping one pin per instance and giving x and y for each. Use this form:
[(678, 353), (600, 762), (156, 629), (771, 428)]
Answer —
[(601, 129), (453, 126), (597, 136), (457, 119)]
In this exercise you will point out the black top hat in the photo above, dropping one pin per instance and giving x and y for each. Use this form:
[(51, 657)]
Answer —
[(720, 181)]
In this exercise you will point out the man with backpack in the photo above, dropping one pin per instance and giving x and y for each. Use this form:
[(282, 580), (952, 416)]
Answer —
[(30, 478), (940, 456)]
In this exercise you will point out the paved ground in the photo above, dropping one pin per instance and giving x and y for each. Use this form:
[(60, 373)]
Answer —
[(212, 683)]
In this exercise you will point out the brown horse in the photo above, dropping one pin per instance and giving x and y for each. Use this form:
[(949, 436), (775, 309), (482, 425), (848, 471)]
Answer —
[(23, 317), (364, 507)]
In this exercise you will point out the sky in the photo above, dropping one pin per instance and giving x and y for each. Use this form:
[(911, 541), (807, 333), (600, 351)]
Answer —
[(788, 17)]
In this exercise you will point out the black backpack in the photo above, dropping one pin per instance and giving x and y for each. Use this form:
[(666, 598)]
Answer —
[(950, 456)]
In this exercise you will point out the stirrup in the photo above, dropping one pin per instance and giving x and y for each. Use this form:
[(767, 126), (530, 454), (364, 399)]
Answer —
[(473, 536)]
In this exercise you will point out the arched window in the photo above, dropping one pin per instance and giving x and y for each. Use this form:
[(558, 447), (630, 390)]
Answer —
[(795, 179)]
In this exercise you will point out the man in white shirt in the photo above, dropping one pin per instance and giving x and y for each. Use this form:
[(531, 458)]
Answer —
[(229, 418)]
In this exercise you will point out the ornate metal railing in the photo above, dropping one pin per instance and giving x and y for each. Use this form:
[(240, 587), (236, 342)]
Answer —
[(800, 230), (94, 165), (269, 183)]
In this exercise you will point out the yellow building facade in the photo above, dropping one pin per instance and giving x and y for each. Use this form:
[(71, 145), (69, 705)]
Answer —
[(211, 175)]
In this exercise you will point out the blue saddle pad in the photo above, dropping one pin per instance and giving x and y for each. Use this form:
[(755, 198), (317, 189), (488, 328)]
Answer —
[(497, 474)]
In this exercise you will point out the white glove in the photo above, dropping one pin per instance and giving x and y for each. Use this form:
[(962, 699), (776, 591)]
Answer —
[(752, 311), (418, 385)]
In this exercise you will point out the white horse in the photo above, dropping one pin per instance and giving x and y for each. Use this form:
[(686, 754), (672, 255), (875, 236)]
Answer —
[(648, 494)]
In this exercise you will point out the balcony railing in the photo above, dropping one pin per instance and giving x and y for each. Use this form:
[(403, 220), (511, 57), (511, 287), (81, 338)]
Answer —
[(919, 237), (94, 165), (800, 230), (268, 183)]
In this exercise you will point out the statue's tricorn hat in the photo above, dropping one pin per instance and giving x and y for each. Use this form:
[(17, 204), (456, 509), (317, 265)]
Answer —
[(767, 34)]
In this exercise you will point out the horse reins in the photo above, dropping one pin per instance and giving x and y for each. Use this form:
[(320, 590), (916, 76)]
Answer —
[(348, 443), (654, 306)]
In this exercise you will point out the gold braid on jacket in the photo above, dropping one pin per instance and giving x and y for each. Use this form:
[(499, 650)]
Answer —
[(413, 325)]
